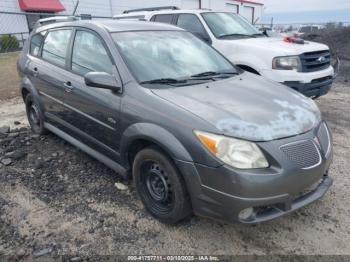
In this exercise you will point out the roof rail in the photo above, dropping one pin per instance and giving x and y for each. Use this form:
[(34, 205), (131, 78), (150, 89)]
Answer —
[(152, 9), (54, 19)]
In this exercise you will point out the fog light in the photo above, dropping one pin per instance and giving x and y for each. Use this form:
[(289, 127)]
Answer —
[(247, 214)]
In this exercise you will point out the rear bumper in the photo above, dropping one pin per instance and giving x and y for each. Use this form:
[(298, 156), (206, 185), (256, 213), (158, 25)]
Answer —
[(316, 88)]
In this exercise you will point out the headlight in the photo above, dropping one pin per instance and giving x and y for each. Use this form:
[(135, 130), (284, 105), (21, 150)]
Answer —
[(286, 63), (234, 152)]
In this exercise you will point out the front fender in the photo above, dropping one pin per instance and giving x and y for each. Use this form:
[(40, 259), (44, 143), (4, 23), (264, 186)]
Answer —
[(156, 134)]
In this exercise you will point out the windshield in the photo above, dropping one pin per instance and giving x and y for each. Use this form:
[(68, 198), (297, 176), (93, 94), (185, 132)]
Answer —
[(225, 25), (170, 55)]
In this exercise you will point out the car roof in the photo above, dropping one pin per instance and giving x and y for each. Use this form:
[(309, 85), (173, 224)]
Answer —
[(112, 25)]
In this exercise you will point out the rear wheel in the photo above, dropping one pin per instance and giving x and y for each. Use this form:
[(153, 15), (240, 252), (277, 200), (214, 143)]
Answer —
[(34, 115), (160, 186)]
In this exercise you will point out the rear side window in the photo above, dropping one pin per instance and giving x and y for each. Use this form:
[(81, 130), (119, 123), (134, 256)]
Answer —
[(168, 19), (190, 23), (55, 46), (36, 42), (89, 54)]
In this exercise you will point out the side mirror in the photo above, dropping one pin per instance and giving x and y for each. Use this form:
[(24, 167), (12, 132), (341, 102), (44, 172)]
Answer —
[(102, 80)]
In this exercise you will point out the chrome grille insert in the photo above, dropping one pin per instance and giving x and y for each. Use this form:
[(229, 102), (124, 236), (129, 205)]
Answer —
[(315, 61), (304, 153), (324, 138)]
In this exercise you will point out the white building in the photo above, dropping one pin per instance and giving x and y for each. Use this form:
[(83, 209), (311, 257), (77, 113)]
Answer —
[(11, 23)]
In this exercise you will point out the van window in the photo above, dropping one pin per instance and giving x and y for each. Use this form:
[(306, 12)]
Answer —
[(191, 23), (55, 46), (163, 18), (89, 54), (36, 42)]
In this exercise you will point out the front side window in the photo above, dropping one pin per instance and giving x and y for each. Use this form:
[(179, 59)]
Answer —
[(163, 19), (229, 25), (89, 54), (154, 55), (191, 23), (36, 42), (55, 46)]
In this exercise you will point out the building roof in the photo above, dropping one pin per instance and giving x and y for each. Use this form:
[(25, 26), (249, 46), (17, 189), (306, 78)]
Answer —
[(249, 2), (41, 5)]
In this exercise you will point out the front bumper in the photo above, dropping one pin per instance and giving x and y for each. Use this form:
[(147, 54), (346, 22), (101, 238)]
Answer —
[(222, 193), (310, 84), (317, 88)]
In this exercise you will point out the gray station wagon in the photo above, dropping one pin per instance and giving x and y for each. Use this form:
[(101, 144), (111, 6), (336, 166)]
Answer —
[(161, 107)]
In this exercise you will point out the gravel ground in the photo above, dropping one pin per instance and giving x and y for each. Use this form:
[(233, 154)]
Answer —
[(54, 199)]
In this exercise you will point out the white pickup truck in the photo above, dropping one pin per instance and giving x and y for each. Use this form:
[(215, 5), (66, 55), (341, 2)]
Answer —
[(304, 66)]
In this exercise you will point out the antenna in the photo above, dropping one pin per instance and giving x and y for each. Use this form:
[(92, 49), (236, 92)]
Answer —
[(75, 7)]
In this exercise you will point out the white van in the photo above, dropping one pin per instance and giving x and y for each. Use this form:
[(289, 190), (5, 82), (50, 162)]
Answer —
[(304, 66)]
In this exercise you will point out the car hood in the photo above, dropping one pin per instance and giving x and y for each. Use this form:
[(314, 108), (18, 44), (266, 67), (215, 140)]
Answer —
[(247, 106), (279, 45)]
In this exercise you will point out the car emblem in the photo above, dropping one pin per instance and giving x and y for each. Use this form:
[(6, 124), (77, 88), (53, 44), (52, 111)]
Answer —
[(321, 59)]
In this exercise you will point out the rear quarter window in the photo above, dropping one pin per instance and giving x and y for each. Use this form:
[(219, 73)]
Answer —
[(168, 18)]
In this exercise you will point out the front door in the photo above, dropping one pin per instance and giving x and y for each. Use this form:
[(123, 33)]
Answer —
[(92, 113)]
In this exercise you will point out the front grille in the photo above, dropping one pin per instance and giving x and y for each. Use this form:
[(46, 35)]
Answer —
[(315, 61), (324, 138), (304, 154)]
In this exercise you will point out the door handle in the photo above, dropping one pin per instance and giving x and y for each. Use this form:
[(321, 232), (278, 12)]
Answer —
[(68, 86), (35, 72)]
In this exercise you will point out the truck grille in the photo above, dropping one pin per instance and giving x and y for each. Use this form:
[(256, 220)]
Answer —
[(315, 61), (324, 137), (304, 154)]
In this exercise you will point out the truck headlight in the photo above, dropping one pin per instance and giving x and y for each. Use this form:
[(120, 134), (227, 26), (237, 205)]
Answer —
[(234, 152), (286, 63)]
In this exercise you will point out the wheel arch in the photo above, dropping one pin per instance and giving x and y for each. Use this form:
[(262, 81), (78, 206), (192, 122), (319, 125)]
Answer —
[(142, 135), (28, 88)]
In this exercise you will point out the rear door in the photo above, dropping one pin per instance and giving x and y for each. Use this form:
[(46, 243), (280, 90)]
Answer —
[(93, 113), (47, 68)]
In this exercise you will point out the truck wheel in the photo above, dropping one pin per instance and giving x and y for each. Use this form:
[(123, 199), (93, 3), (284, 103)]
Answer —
[(34, 115), (160, 186)]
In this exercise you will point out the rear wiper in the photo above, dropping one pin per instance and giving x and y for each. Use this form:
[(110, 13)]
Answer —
[(164, 81), (228, 35)]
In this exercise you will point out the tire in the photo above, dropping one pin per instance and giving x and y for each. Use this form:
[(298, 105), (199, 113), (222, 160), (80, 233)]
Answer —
[(35, 116), (160, 186)]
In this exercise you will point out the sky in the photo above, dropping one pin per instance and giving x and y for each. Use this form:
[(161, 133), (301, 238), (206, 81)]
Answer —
[(308, 11)]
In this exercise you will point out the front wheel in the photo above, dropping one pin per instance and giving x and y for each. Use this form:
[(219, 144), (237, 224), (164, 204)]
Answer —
[(160, 186)]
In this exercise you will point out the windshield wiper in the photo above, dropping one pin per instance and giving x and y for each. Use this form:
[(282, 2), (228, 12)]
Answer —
[(208, 73), (229, 35), (258, 34), (213, 73), (164, 81)]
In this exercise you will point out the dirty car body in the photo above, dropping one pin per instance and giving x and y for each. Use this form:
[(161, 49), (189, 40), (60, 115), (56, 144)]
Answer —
[(186, 119)]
